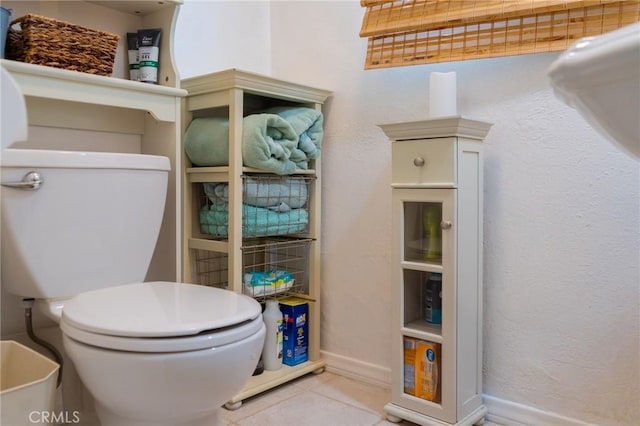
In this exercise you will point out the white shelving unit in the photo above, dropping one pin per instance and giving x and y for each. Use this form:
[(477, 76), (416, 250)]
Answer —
[(437, 172), (86, 108), (234, 94)]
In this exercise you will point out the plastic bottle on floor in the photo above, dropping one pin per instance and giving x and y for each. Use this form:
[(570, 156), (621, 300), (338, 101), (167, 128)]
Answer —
[(272, 351)]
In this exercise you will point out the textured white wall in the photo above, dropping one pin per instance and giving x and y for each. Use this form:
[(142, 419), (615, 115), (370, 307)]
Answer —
[(217, 35), (562, 216)]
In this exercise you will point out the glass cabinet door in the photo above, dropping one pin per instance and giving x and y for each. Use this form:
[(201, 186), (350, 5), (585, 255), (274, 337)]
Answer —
[(425, 256), (426, 225), (423, 232), (424, 253)]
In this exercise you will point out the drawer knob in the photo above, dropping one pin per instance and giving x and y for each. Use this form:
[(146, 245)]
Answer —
[(418, 161), (445, 224)]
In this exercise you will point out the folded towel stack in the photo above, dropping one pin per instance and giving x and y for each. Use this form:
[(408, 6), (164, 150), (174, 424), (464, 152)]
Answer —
[(279, 194), (307, 124), (256, 221), (280, 140)]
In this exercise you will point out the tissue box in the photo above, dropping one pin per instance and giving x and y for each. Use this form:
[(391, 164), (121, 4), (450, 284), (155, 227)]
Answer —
[(295, 314)]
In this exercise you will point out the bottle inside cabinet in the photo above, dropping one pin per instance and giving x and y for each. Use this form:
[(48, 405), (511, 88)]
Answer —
[(423, 310), (422, 232), (431, 299)]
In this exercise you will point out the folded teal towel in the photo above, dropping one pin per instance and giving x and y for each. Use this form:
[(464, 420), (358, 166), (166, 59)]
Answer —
[(278, 194), (206, 141), (267, 142), (256, 221), (308, 126)]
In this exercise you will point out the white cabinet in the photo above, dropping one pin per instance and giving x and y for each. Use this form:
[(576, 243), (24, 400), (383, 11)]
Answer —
[(71, 110), (437, 235), (221, 261)]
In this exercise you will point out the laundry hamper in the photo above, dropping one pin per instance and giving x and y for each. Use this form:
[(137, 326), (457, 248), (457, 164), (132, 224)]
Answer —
[(27, 384), (41, 40)]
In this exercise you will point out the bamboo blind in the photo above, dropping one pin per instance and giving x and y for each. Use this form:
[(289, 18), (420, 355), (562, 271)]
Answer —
[(412, 32)]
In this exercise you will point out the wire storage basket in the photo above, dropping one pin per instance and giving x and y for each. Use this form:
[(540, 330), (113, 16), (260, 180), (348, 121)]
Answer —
[(212, 268), (271, 267), (276, 266), (46, 41), (271, 206)]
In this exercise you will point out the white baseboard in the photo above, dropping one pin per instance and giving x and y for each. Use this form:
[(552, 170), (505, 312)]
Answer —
[(508, 413), (356, 369), (502, 412)]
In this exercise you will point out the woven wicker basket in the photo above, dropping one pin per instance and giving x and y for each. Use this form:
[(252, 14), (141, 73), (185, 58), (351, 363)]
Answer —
[(46, 41)]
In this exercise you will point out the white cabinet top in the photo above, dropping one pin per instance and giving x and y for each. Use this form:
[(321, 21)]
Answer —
[(437, 128)]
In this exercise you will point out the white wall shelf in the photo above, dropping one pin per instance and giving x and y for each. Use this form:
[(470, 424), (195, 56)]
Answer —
[(72, 86), (80, 111), (116, 17), (139, 7)]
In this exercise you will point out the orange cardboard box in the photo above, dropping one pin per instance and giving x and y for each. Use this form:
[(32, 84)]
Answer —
[(427, 370), (409, 345)]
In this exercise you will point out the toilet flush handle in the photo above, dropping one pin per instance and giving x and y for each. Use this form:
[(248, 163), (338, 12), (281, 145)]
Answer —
[(31, 180)]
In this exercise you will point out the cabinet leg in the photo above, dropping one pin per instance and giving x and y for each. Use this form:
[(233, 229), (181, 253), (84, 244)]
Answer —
[(231, 406), (479, 422), (393, 419), (318, 371)]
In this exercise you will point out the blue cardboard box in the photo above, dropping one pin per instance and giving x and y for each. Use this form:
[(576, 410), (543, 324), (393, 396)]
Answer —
[(295, 324)]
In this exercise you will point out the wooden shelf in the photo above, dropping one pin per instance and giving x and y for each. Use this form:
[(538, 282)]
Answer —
[(221, 173), (211, 245), (270, 379), (233, 94), (210, 91)]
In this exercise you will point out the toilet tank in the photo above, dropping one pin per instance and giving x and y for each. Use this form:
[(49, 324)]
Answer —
[(92, 223)]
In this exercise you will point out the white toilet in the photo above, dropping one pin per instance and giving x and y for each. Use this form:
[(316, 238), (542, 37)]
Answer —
[(78, 235), (150, 353)]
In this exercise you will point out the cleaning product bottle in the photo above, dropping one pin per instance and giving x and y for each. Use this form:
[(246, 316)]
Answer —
[(432, 298), (431, 218), (272, 350)]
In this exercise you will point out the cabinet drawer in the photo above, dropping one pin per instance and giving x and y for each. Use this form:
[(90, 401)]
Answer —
[(424, 161)]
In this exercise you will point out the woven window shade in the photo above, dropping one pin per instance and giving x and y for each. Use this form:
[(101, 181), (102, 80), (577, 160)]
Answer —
[(412, 32)]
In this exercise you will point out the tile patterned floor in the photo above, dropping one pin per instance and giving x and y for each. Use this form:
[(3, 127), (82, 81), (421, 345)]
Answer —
[(326, 399)]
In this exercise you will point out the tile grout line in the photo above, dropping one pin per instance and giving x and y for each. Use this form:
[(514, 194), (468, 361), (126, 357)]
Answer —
[(280, 387), (350, 406)]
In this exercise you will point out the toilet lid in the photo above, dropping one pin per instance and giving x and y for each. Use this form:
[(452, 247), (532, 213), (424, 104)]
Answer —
[(158, 309), (246, 332)]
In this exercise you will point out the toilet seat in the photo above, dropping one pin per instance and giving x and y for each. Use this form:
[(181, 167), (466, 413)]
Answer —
[(160, 317)]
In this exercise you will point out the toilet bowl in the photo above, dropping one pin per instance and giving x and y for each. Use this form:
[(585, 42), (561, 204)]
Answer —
[(78, 233), (162, 354)]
